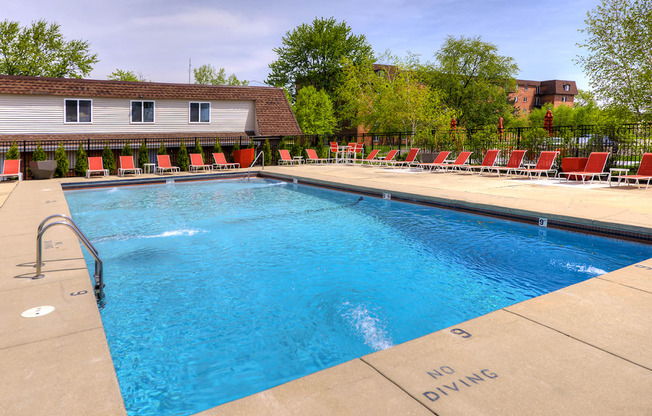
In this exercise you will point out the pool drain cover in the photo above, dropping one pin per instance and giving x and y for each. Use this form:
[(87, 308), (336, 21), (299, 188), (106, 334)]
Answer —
[(38, 311)]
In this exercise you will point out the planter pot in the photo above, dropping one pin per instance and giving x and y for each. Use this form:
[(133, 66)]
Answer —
[(245, 157), (43, 169)]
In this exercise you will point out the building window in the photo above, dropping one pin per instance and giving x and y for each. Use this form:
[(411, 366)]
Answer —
[(525, 88), (515, 100), (563, 99), (142, 111), (200, 112), (538, 90), (537, 102), (566, 87), (525, 99), (78, 111)]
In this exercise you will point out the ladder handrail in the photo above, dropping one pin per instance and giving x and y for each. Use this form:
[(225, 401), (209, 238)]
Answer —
[(252, 163), (42, 228)]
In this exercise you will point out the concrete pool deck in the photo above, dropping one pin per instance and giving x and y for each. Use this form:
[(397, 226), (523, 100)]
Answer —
[(584, 349)]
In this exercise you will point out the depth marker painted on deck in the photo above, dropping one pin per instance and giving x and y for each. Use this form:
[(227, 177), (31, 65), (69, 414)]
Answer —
[(37, 311)]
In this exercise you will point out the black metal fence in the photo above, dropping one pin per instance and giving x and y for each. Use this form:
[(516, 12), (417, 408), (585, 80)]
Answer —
[(625, 142)]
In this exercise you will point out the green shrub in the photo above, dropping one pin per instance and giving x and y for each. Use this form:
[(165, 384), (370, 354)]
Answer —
[(182, 158), (108, 158), (143, 155), (267, 150), (39, 153), (81, 162), (320, 149), (217, 148), (198, 148), (236, 146), (12, 153), (126, 151), (252, 144), (62, 162), (297, 148), (162, 150)]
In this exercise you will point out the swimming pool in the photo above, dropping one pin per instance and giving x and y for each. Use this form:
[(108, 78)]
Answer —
[(217, 290)]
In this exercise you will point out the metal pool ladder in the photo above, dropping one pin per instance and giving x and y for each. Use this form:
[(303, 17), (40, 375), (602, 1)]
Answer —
[(254, 162), (68, 222)]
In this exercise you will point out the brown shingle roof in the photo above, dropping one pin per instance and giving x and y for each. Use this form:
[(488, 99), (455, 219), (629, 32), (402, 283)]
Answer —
[(273, 112)]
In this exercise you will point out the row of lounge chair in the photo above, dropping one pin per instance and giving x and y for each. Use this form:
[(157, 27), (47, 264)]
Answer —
[(594, 167), (95, 165)]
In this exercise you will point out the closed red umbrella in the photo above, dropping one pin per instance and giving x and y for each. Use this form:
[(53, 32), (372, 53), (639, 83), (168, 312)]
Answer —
[(547, 122)]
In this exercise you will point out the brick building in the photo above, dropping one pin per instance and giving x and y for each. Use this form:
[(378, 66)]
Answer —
[(536, 94)]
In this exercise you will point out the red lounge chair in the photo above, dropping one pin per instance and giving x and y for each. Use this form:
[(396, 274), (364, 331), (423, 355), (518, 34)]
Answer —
[(644, 172), (410, 160), (127, 165), (332, 151), (221, 163), (286, 159), (164, 165), (388, 158), (10, 169), (594, 167), (461, 160), (371, 157), (488, 161), (197, 162), (439, 160), (357, 150), (95, 165), (514, 163), (544, 165), (313, 158)]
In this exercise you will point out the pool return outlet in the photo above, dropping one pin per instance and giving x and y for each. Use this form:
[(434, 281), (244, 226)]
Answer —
[(68, 222)]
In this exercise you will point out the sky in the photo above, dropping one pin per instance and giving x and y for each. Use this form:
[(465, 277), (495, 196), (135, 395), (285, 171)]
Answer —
[(162, 39)]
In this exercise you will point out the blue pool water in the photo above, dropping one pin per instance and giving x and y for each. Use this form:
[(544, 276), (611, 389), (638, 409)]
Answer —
[(220, 289)]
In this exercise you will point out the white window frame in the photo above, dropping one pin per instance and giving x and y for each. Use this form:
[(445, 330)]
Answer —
[(515, 100), (525, 99), (77, 100), (566, 87), (525, 87), (199, 104), (564, 99), (142, 102)]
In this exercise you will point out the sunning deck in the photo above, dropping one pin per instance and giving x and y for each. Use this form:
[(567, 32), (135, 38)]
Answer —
[(581, 350)]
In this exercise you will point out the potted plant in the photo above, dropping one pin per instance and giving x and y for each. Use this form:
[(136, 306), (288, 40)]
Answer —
[(245, 157), (39, 166)]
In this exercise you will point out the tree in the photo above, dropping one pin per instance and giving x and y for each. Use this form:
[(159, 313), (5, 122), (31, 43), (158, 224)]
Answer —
[(392, 100), (120, 75), (314, 111), (13, 153), (217, 147), (39, 153), (182, 157), (81, 161), (474, 79), (126, 150), (618, 59), (198, 148), (312, 55), (143, 155), (162, 150), (108, 158), (209, 75), (267, 152), (62, 161), (41, 50)]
